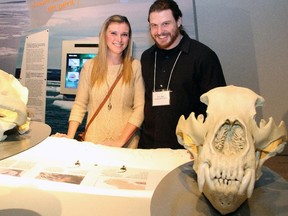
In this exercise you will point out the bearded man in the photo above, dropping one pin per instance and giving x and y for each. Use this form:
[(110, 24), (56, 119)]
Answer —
[(177, 70)]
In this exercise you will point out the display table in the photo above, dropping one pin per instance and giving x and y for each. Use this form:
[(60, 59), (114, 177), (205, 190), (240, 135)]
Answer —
[(178, 194), (65, 177)]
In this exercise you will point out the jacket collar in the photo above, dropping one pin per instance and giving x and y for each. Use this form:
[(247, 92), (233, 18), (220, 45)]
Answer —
[(183, 45)]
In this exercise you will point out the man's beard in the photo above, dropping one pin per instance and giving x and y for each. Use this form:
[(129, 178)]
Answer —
[(173, 38)]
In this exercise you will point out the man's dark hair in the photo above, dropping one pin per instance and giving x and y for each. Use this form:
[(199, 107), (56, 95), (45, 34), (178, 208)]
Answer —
[(160, 5)]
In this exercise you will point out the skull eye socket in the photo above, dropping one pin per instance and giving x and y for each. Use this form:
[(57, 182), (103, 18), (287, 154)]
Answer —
[(230, 138)]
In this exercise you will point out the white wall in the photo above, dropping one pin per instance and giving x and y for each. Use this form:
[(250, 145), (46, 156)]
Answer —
[(251, 40)]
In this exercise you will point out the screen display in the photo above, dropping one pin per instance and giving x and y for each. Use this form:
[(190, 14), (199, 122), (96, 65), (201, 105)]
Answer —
[(74, 64)]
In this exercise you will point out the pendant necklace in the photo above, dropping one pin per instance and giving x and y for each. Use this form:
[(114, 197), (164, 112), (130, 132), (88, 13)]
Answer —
[(109, 106)]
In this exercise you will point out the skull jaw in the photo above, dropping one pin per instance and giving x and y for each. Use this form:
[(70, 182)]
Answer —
[(10, 119), (5, 126), (224, 191), (223, 202)]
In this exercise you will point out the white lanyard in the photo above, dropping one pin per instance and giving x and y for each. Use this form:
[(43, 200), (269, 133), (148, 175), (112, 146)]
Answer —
[(154, 88)]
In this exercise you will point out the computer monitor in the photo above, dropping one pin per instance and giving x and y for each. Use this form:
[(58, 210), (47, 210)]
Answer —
[(74, 55)]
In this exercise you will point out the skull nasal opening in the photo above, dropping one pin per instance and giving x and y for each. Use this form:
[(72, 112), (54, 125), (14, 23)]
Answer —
[(230, 138)]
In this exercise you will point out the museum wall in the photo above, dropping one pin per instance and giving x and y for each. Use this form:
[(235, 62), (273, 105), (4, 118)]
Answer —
[(251, 40)]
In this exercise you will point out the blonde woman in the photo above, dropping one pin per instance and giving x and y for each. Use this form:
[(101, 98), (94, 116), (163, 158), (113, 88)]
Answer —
[(119, 119)]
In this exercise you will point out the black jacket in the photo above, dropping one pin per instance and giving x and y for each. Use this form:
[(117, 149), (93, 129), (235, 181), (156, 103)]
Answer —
[(197, 71)]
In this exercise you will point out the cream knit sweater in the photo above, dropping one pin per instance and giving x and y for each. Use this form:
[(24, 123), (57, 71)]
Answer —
[(127, 103)]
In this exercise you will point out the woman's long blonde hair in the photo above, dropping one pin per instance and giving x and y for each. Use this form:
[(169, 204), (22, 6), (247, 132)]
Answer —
[(100, 66)]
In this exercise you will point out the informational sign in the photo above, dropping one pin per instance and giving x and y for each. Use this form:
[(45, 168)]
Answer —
[(34, 73)]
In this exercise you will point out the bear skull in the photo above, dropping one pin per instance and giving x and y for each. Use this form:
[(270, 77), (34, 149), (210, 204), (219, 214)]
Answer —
[(228, 147)]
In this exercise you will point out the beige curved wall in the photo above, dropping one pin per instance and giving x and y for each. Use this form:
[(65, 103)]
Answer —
[(251, 40)]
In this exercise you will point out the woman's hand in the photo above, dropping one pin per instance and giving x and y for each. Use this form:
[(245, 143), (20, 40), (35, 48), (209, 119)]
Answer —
[(113, 143), (60, 135)]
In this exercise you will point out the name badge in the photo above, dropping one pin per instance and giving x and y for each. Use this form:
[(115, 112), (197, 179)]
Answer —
[(161, 98)]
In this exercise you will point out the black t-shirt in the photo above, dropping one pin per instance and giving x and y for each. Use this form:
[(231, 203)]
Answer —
[(197, 71)]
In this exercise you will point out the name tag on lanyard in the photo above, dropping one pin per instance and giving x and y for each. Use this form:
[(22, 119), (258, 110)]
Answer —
[(161, 98)]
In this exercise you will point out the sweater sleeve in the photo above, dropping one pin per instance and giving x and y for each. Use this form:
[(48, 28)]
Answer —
[(80, 105), (138, 105)]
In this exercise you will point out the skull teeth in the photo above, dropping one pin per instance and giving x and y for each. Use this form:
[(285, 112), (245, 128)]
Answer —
[(224, 180), (247, 183), (202, 177)]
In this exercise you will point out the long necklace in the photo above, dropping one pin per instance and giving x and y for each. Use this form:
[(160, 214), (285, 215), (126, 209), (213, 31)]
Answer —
[(109, 106)]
